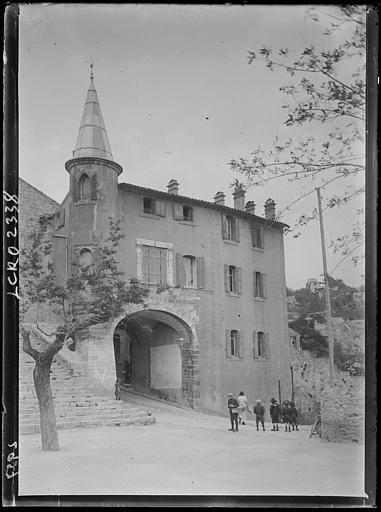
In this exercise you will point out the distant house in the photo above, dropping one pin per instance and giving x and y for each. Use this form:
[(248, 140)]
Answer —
[(294, 338), (315, 286)]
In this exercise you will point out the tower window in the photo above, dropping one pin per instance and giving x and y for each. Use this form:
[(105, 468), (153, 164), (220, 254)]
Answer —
[(85, 258), (84, 187)]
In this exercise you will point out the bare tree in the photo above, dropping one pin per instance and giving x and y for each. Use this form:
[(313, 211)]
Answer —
[(328, 88)]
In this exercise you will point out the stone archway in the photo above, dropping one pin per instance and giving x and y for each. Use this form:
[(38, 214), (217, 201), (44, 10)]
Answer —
[(163, 356)]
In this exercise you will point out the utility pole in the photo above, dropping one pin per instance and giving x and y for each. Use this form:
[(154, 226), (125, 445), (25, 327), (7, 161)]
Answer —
[(327, 295)]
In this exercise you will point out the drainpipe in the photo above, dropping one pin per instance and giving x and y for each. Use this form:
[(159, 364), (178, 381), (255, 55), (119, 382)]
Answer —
[(292, 383)]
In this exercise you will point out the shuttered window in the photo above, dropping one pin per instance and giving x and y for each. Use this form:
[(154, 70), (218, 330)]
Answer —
[(182, 212), (190, 271), (257, 233), (230, 228), (260, 285), (234, 344), (261, 345), (153, 207), (154, 265), (233, 279)]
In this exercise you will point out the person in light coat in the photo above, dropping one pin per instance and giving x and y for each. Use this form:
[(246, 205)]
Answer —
[(243, 408)]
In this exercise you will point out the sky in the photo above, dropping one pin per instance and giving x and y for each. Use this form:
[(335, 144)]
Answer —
[(179, 100)]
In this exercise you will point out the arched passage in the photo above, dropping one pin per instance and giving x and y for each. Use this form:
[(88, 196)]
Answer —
[(155, 354)]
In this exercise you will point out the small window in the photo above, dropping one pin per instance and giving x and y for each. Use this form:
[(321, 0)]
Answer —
[(230, 228), (153, 207), (257, 233), (188, 213), (85, 258), (260, 285), (261, 344), (234, 340), (84, 187), (293, 341), (232, 279), (148, 205)]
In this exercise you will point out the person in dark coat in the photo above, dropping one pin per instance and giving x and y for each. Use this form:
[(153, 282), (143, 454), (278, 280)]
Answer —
[(259, 412), (233, 407), (275, 413), (294, 416), (286, 414)]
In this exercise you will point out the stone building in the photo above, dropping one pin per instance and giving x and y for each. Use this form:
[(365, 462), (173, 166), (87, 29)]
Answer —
[(215, 320)]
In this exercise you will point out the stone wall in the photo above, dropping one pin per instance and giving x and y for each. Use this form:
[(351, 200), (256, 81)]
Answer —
[(342, 405), (343, 410), (33, 203)]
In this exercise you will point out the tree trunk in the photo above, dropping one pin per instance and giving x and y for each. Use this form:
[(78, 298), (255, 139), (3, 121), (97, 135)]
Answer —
[(48, 425), (41, 378)]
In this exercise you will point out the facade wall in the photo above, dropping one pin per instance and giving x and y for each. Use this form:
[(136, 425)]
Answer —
[(217, 311)]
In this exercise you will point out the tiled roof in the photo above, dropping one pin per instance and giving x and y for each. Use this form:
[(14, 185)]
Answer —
[(198, 202)]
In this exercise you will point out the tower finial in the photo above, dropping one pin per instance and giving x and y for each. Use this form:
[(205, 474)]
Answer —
[(91, 72)]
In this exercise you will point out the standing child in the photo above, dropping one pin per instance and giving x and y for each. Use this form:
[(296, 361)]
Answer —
[(117, 389), (259, 412), (233, 411), (286, 413), (275, 413), (294, 416)]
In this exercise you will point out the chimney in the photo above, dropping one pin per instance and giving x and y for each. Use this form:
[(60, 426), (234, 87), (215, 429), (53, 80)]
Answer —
[(250, 207), (270, 209), (239, 199), (219, 198), (173, 187)]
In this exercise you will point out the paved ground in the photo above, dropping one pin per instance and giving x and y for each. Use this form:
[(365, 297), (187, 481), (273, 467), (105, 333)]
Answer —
[(186, 452)]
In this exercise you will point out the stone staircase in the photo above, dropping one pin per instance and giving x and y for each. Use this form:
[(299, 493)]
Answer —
[(76, 405)]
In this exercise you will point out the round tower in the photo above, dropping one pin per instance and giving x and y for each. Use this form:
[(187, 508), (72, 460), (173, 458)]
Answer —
[(93, 180)]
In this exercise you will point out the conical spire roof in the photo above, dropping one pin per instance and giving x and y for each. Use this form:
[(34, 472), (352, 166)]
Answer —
[(92, 140)]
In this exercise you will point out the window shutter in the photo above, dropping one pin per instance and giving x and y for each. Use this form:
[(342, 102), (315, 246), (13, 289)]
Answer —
[(261, 237), (200, 272), (163, 266), (228, 347), (180, 271), (224, 224), (238, 273), (145, 257), (93, 187), (240, 345), (264, 285), (267, 346), (255, 345), (160, 208), (226, 272), (253, 235), (177, 212), (255, 284), (75, 189), (236, 223)]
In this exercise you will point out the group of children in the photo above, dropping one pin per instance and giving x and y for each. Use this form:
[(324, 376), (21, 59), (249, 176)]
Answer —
[(239, 407)]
